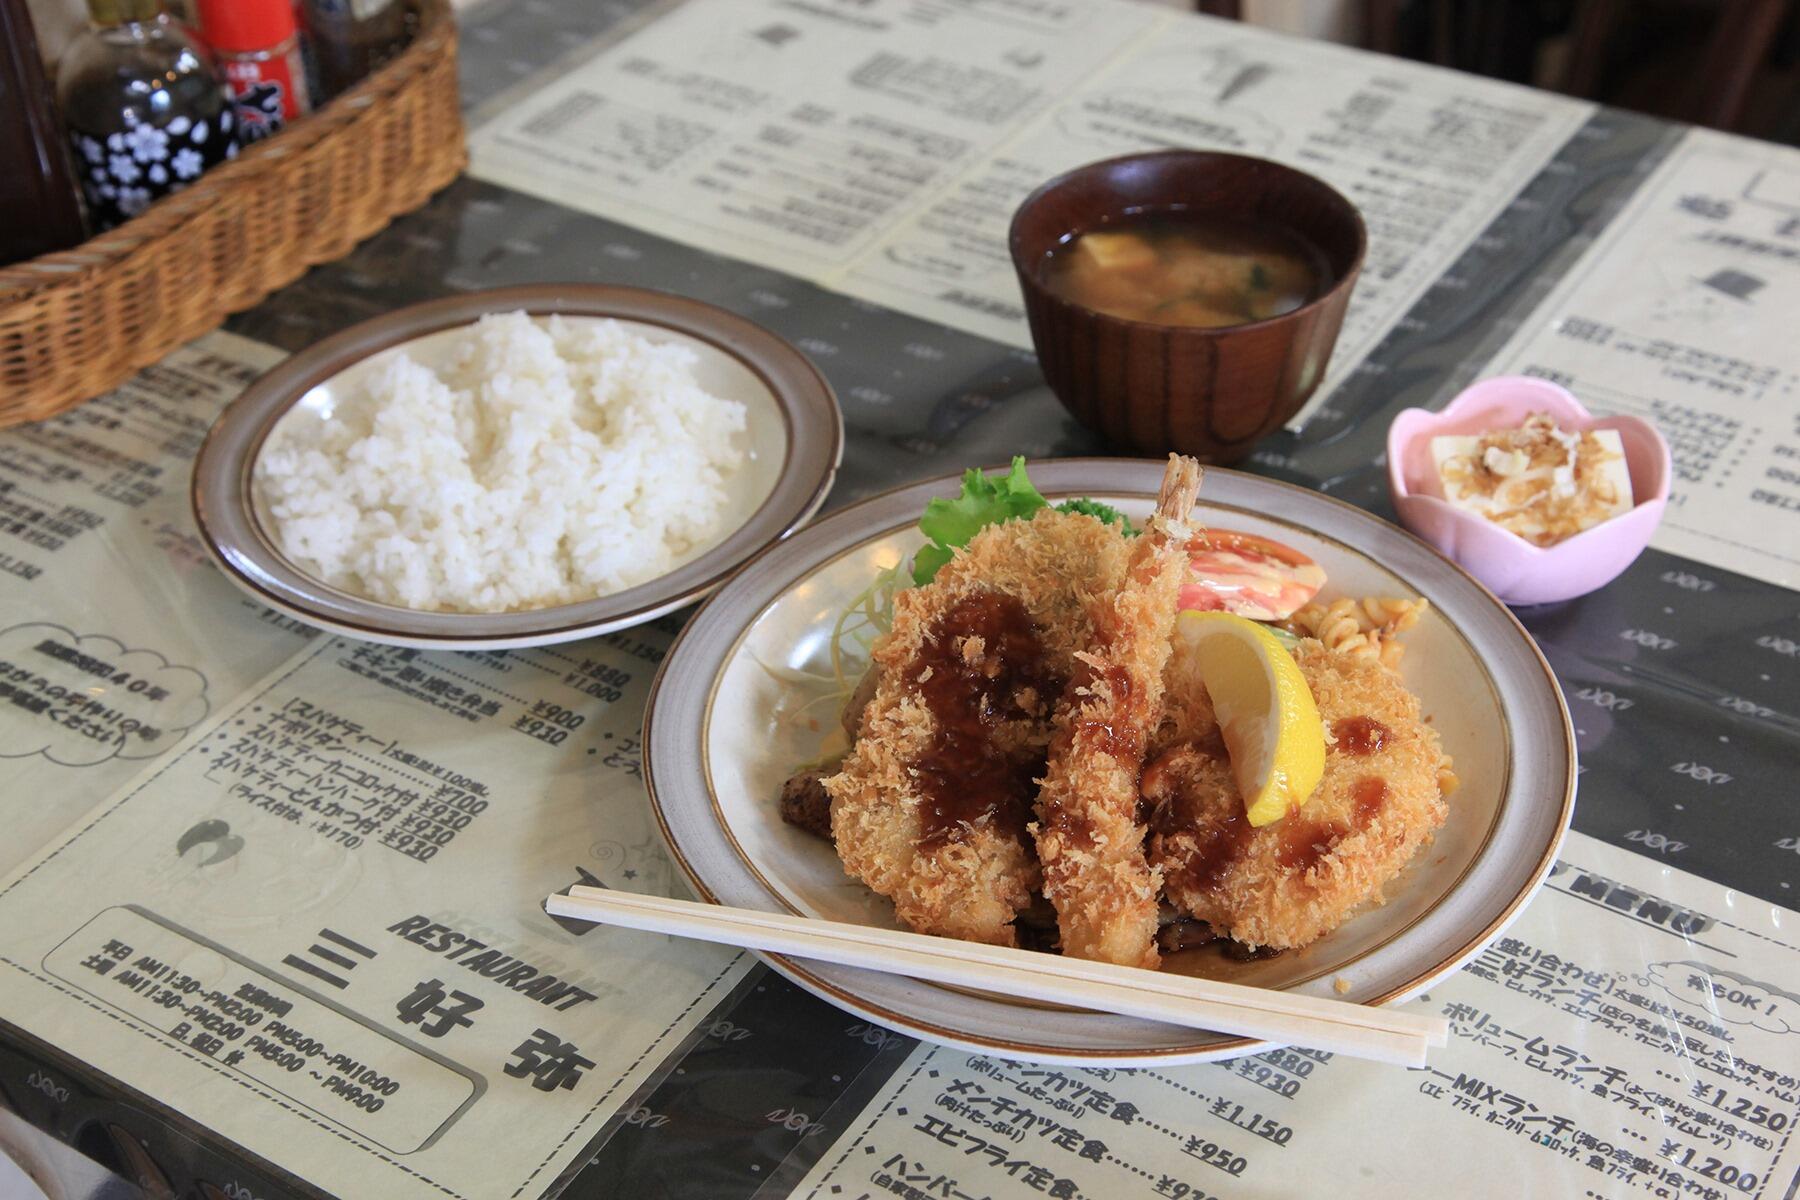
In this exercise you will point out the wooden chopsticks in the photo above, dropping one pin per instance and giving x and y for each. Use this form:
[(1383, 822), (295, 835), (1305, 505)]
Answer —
[(1287, 1019)]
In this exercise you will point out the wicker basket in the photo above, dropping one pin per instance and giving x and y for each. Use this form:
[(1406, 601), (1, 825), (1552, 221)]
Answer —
[(78, 322)]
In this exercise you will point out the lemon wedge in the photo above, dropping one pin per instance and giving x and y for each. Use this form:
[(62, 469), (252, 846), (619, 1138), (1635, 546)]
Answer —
[(1266, 712)]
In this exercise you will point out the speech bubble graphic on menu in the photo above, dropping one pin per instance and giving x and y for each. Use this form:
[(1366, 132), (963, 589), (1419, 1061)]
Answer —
[(84, 699), (1730, 997)]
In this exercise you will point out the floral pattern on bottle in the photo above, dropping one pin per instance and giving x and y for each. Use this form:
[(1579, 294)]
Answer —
[(123, 173)]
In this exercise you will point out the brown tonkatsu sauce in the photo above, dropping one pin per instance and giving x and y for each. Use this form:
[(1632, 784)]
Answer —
[(1175, 809), (965, 776), (1301, 841), (1359, 736), (1217, 848), (1369, 795), (1124, 742)]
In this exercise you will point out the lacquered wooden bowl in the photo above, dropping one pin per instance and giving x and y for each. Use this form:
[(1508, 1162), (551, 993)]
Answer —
[(1149, 388)]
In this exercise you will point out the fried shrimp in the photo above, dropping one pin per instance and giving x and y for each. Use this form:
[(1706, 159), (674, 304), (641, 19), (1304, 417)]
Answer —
[(1290, 882), (1089, 839), (930, 808)]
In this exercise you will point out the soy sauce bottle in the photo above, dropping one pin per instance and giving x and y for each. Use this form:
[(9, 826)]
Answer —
[(350, 38), (40, 206), (144, 108)]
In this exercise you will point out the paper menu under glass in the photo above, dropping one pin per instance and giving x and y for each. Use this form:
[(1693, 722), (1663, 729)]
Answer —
[(311, 923), (117, 634), (1635, 1033), (1682, 312), (315, 927), (883, 155), (108, 941)]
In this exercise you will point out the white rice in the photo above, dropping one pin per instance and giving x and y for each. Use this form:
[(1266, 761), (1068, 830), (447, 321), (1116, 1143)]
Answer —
[(549, 463)]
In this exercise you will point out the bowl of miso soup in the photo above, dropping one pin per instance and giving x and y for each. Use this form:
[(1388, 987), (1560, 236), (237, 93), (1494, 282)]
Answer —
[(1186, 300)]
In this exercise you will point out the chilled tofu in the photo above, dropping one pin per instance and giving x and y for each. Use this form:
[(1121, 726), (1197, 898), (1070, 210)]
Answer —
[(1539, 481)]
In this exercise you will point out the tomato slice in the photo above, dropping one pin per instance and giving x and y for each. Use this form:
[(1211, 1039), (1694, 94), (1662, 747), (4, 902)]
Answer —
[(1252, 576)]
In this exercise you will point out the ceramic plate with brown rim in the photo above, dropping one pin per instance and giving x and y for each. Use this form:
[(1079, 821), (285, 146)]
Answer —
[(743, 696), (791, 445)]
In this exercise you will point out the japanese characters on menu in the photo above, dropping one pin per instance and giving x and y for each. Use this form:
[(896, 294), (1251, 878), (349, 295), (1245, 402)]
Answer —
[(880, 149), (1682, 312), (290, 883), (323, 888), (1629, 1036)]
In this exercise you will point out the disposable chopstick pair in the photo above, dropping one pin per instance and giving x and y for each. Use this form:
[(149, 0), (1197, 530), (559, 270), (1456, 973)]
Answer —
[(1384, 1035)]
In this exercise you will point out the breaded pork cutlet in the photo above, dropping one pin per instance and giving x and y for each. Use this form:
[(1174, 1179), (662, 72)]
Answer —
[(1089, 839), (930, 808), (1290, 882)]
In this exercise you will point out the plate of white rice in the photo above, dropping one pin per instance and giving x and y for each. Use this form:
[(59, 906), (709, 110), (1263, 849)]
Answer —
[(515, 467)]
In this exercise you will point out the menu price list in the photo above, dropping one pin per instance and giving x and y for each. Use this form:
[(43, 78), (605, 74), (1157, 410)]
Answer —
[(1634, 1034), (315, 927), (1680, 313), (96, 679), (794, 133), (313, 768)]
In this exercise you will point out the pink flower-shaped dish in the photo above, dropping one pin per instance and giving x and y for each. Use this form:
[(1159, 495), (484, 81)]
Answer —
[(1514, 569)]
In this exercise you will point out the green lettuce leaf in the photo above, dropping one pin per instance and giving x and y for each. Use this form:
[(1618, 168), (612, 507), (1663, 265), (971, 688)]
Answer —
[(927, 561), (989, 500), (984, 501)]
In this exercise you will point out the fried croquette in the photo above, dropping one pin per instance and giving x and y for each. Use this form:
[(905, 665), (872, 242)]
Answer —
[(1288, 883), (931, 806), (1089, 839)]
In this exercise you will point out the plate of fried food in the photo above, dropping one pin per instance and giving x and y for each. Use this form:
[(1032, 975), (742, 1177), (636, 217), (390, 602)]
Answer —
[(1200, 722)]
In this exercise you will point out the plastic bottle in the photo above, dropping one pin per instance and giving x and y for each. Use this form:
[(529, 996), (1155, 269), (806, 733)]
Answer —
[(144, 109)]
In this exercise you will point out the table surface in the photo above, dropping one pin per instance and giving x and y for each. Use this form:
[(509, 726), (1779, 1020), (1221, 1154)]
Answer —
[(975, 401)]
